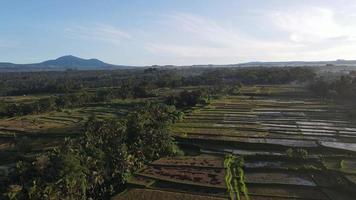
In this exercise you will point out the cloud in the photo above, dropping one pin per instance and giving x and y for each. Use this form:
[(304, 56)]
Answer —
[(305, 33), (322, 33), (211, 41), (298, 33), (105, 33), (206, 29), (312, 25)]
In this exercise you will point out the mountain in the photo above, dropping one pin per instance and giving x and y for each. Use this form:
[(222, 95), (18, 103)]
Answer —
[(61, 63), (75, 62), (300, 63), (337, 64)]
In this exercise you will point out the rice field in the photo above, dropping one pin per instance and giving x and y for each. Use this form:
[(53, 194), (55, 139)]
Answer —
[(41, 132), (149, 194), (293, 146)]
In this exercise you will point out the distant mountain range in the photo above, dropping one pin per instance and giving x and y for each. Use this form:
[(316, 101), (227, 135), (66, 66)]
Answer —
[(75, 63), (300, 63), (61, 63)]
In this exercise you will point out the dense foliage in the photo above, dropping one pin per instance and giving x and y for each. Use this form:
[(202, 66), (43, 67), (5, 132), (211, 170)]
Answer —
[(188, 98), (202, 96), (70, 100), (256, 75), (342, 90), (97, 165), (25, 83)]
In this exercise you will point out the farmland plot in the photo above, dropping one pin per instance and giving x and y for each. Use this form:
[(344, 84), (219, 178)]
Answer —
[(263, 128), (41, 132), (294, 148)]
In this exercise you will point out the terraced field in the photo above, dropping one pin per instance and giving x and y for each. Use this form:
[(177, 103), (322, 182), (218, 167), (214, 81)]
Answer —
[(43, 131), (292, 146)]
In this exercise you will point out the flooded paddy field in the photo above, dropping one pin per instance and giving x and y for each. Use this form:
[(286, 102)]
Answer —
[(269, 142)]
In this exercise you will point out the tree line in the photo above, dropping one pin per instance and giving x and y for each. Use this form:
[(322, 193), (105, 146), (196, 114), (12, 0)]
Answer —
[(25, 83), (342, 89), (72, 100)]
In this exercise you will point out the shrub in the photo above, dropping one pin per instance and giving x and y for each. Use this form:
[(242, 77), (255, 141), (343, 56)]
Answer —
[(297, 153)]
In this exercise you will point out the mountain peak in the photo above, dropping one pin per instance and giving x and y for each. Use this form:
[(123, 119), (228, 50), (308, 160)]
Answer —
[(67, 57), (70, 61)]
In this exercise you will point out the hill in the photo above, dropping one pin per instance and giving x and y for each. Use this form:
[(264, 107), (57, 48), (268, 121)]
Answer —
[(300, 63), (61, 63), (76, 63)]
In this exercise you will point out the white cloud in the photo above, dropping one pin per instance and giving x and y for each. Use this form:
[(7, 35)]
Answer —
[(312, 33), (204, 28), (312, 25), (301, 33), (324, 34), (106, 33), (212, 41)]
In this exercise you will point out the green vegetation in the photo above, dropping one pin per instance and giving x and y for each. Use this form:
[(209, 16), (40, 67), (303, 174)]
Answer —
[(342, 89), (129, 129), (298, 153), (278, 138), (99, 163), (342, 164), (189, 99), (234, 177)]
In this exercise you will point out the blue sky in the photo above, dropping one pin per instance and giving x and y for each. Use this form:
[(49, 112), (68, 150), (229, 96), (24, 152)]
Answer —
[(181, 32)]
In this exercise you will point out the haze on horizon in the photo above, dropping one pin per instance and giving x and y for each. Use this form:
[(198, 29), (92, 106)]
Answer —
[(180, 32)]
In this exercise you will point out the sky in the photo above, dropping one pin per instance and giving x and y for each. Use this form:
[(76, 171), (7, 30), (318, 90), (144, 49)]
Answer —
[(178, 32)]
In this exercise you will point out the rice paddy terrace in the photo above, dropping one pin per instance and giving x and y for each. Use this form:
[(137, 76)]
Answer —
[(43, 131), (270, 142)]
